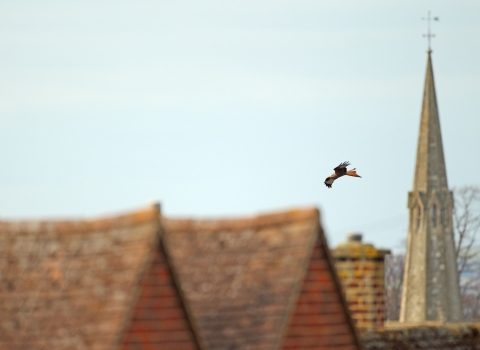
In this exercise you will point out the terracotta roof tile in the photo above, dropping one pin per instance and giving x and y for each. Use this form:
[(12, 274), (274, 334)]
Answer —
[(69, 284), (240, 277), (159, 319), (264, 282), (321, 319)]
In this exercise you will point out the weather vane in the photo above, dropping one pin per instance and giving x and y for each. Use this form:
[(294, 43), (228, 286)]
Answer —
[(429, 34)]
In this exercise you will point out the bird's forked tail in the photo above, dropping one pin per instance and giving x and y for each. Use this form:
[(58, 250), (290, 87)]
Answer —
[(353, 172)]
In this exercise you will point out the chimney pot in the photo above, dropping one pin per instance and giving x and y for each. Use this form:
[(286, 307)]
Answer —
[(354, 237)]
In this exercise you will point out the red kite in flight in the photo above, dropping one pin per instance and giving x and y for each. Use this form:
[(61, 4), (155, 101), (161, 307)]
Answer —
[(340, 171)]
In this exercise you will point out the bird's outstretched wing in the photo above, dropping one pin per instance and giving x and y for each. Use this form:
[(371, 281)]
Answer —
[(329, 181), (341, 169)]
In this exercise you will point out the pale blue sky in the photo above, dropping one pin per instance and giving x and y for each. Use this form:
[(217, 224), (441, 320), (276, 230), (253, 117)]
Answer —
[(226, 108)]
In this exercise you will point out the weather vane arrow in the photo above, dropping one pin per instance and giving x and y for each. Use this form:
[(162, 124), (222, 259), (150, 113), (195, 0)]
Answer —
[(429, 34)]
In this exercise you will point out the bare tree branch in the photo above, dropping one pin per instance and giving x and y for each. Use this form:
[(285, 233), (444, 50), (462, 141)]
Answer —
[(466, 226), (394, 269)]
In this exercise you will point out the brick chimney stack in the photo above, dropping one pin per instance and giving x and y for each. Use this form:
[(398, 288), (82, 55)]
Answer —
[(360, 268)]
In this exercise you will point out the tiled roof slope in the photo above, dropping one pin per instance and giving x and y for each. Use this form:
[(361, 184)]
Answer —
[(159, 320), (71, 284), (241, 280), (321, 320)]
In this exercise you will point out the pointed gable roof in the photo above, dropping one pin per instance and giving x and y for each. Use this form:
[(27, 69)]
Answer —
[(159, 319), (321, 319), (131, 283), (430, 169), (242, 279), (70, 284)]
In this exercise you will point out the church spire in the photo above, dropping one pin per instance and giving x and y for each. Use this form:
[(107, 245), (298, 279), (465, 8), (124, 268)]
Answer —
[(430, 285), (430, 172)]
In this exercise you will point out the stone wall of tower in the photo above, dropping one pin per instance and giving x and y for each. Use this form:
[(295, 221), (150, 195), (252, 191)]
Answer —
[(414, 286), (430, 288), (438, 305), (362, 274), (430, 264)]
